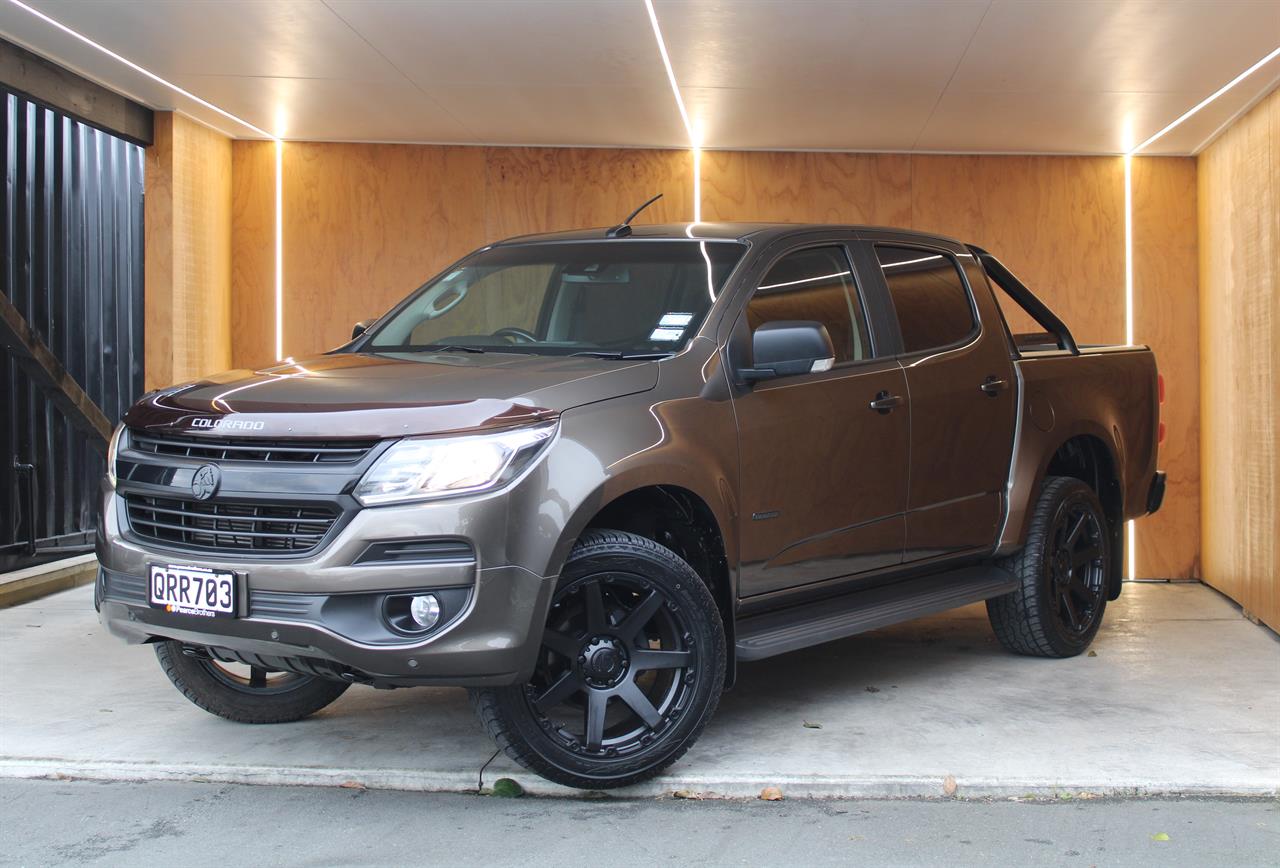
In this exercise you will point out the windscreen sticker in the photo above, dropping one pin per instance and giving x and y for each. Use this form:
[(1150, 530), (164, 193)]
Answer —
[(661, 334), (675, 320)]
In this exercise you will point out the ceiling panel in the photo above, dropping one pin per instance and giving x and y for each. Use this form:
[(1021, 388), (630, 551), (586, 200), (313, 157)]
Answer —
[(956, 75), (331, 109), (856, 45), (824, 118)]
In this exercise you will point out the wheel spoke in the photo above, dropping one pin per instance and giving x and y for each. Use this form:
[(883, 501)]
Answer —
[(566, 686), (1086, 555), (1076, 530), (1081, 591), (257, 677), (558, 642), (597, 703), (639, 616), (1072, 618), (596, 620), (630, 693), (646, 659)]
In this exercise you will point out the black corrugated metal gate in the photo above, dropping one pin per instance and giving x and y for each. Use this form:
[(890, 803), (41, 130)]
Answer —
[(73, 269)]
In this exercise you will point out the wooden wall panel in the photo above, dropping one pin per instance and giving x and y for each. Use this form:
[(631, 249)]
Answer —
[(366, 224), (804, 187), (1056, 222), (188, 251), (548, 189), (253, 253), (1239, 220), (1166, 317)]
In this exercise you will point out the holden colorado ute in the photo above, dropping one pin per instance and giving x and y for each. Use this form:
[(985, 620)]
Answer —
[(586, 474)]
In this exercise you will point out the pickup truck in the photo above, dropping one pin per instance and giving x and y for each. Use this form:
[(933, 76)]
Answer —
[(586, 474)]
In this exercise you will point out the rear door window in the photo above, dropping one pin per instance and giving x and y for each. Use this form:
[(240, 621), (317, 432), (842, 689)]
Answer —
[(929, 296), (814, 284)]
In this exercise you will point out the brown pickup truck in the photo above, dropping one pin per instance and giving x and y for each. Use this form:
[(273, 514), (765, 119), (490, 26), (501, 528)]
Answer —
[(585, 474)]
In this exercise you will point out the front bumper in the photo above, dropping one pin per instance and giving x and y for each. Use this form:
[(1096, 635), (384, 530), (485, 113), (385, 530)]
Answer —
[(492, 639), (327, 607)]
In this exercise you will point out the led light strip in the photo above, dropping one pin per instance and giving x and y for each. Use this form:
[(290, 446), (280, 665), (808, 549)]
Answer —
[(1131, 534), (279, 146), (695, 137)]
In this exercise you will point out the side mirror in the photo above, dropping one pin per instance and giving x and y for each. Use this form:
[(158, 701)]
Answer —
[(361, 327), (787, 347)]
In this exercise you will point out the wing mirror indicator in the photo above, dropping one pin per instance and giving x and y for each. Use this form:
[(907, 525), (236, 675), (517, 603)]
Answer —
[(789, 347)]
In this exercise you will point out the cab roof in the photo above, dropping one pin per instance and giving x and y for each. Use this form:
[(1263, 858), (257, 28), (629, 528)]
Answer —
[(751, 232)]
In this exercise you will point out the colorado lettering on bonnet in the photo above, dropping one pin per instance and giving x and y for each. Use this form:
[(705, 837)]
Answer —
[(228, 424)]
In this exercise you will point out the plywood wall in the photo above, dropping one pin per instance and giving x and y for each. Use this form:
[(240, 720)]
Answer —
[(188, 251), (1239, 216), (365, 224), (1058, 223)]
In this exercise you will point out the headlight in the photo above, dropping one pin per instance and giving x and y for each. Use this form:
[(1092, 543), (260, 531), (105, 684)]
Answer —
[(428, 467), (113, 449)]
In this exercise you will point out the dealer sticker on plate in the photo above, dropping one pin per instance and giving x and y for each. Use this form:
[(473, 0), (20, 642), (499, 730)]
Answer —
[(191, 590)]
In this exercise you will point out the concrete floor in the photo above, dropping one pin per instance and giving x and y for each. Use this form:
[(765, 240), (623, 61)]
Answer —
[(192, 825), (1183, 696)]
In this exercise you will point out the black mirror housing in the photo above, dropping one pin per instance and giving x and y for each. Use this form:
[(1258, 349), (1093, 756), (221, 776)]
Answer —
[(788, 347), (361, 327)]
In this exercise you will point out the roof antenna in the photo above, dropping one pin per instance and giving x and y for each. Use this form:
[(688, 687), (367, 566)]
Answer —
[(623, 229)]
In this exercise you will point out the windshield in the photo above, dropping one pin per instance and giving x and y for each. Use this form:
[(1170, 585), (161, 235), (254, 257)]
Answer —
[(606, 298)]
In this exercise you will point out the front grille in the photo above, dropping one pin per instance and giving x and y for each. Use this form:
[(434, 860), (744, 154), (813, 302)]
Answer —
[(215, 526), (251, 449)]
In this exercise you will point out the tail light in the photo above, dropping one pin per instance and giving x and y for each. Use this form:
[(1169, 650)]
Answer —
[(1160, 392)]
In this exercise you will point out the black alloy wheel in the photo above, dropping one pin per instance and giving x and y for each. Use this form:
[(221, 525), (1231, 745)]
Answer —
[(617, 668), (629, 669), (1063, 575), (1074, 566), (244, 693)]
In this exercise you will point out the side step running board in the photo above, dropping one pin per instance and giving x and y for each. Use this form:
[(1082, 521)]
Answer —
[(814, 623)]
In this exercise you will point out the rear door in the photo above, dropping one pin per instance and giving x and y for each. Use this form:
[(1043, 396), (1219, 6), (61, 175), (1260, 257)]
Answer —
[(962, 397), (823, 475)]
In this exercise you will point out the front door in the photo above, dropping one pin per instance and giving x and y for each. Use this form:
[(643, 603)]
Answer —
[(823, 474)]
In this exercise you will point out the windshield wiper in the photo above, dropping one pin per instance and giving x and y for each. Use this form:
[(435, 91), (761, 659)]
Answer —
[(618, 354), (455, 348)]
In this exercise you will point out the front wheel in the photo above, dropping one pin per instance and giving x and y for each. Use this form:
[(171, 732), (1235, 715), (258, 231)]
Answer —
[(1062, 572), (629, 672), (245, 694)]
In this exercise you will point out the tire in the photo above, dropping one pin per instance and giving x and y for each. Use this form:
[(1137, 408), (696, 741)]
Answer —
[(621, 599), (1063, 574), (220, 690)]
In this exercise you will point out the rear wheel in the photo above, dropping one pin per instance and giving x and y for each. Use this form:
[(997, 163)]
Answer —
[(630, 669), (245, 694), (1063, 575)]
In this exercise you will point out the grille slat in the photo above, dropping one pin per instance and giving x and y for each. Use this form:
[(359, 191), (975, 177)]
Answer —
[(250, 449), (215, 526)]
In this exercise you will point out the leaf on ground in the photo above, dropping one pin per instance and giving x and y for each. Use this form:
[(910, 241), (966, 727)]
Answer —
[(809, 725), (687, 794), (1160, 836), (871, 689), (949, 785), (771, 794), (1093, 653), (507, 788), (351, 785)]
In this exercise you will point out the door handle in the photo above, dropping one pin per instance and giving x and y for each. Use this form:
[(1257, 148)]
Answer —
[(884, 403), (992, 385)]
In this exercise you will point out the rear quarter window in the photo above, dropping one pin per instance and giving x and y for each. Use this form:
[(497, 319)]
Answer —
[(929, 297)]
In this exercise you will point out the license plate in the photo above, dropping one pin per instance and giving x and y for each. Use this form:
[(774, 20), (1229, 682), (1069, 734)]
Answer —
[(192, 590)]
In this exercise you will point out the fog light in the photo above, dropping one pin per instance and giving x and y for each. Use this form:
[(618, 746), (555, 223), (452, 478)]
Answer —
[(425, 611)]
